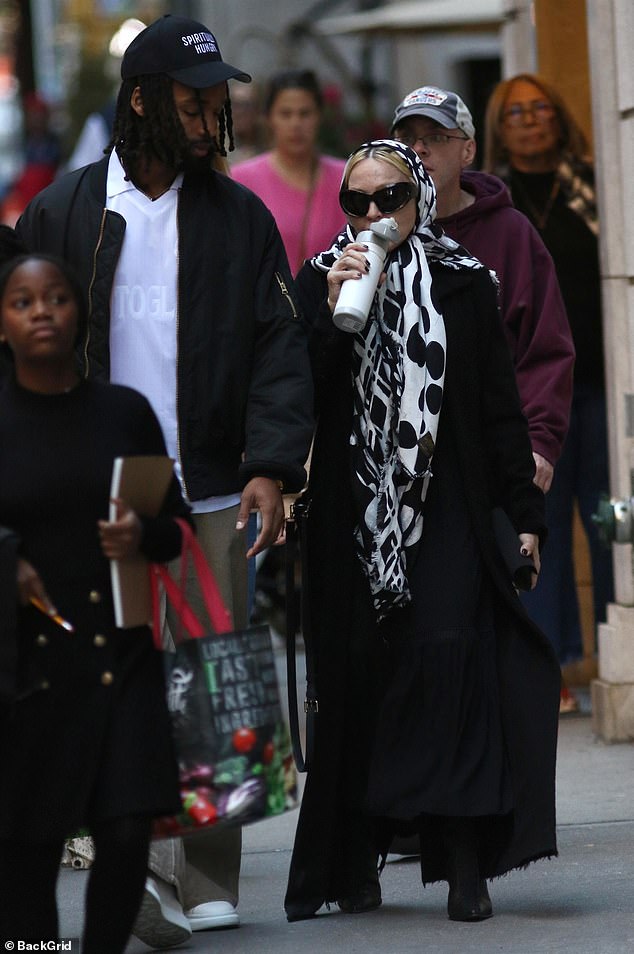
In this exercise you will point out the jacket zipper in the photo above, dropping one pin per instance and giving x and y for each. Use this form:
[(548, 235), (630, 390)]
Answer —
[(285, 292), (102, 229), (178, 315)]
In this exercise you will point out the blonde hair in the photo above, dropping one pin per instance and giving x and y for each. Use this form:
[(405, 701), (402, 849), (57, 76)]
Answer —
[(384, 154), (572, 139)]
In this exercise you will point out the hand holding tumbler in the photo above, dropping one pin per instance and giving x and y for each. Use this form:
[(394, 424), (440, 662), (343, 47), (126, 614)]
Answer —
[(355, 298)]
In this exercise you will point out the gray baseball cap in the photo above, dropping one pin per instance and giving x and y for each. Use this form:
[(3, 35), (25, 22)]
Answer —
[(441, 105)]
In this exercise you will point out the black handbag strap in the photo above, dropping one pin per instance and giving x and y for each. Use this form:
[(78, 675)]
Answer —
[(296, 545)]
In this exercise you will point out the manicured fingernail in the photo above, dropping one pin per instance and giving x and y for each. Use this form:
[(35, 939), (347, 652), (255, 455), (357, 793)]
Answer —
[(240, 525)]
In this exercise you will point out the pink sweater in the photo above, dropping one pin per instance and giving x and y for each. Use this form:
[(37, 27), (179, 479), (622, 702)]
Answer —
[(288, 204)]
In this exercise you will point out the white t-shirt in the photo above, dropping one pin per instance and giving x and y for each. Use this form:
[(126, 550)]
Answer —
[(144, 306)]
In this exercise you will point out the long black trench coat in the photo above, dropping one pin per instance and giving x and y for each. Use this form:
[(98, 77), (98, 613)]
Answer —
[(481, 407)]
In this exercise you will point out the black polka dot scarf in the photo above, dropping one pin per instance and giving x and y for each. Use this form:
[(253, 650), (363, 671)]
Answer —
[(398, 372)]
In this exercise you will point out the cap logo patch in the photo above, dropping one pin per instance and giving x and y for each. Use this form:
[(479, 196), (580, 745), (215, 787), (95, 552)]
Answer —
[(425, 96), (202, 42)]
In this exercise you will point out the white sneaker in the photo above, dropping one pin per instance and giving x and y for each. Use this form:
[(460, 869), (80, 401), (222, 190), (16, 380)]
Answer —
[(160, 921), (212, 914)]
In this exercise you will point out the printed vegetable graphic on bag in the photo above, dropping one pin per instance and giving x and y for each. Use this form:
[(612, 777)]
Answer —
[(232, 743)]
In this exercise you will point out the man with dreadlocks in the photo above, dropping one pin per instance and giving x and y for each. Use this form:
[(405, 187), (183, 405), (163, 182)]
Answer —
[(190, 302)]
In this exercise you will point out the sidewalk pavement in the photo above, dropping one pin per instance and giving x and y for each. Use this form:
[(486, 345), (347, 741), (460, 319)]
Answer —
[(582, 901)]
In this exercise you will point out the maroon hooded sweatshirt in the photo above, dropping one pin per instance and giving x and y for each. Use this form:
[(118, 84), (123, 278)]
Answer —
[(532, 308)]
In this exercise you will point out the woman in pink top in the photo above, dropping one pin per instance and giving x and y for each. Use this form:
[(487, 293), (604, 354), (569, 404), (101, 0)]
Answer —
[(300, 187)]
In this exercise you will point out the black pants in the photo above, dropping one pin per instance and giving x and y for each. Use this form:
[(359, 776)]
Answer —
[(28, 878)]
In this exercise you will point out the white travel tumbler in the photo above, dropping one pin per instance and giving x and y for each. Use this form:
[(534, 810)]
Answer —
[(356, 295)]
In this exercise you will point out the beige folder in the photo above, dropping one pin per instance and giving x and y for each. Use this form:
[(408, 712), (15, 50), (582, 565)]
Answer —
[(142, 483)]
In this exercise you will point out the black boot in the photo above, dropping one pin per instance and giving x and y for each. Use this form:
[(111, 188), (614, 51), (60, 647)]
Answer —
[(366, 898), (468, 895), (361, 889)]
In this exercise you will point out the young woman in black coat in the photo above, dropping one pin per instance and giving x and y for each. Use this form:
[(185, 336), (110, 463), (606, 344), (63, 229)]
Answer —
[(438, 698), (84, 735)]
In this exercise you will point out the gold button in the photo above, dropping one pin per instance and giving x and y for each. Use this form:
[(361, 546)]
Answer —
[(99, 640), (95, 596), (107, 678), (45, 684), (41, 640)]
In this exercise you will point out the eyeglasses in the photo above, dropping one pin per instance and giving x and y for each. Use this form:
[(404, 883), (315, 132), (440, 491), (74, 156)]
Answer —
[(390, 198), (540, 110), (433, 139)]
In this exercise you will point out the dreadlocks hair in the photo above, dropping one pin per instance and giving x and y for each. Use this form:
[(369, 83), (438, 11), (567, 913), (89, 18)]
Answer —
[(225, 125), (159, 131)]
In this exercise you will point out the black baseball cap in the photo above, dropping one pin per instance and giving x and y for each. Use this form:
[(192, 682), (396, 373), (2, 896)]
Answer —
[(181, 48)]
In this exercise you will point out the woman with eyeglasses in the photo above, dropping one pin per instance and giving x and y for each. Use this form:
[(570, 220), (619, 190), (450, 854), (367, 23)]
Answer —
[(536, 146), (437, 695)]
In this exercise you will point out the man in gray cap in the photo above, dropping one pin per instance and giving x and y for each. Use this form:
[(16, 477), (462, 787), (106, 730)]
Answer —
[(190, 302), (475, 209)]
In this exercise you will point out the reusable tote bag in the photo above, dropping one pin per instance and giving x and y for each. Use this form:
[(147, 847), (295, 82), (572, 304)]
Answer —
[(232, 743)]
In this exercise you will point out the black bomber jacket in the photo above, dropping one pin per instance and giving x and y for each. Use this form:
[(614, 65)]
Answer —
[(244, 400)]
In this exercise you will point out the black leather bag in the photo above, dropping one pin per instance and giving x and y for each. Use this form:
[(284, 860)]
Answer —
[(520, 568)]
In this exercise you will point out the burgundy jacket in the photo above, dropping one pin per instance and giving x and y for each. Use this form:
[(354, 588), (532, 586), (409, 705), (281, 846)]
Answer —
[(532, 308)]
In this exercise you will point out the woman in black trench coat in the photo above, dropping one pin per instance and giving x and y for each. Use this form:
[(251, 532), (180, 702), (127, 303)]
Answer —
[(438, 698), (84, 730)]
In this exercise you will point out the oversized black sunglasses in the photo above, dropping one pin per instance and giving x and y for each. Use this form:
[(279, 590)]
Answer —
[(390, 198)]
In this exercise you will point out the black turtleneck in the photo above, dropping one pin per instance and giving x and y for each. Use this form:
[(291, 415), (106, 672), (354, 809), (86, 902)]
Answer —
[(574, 249)]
